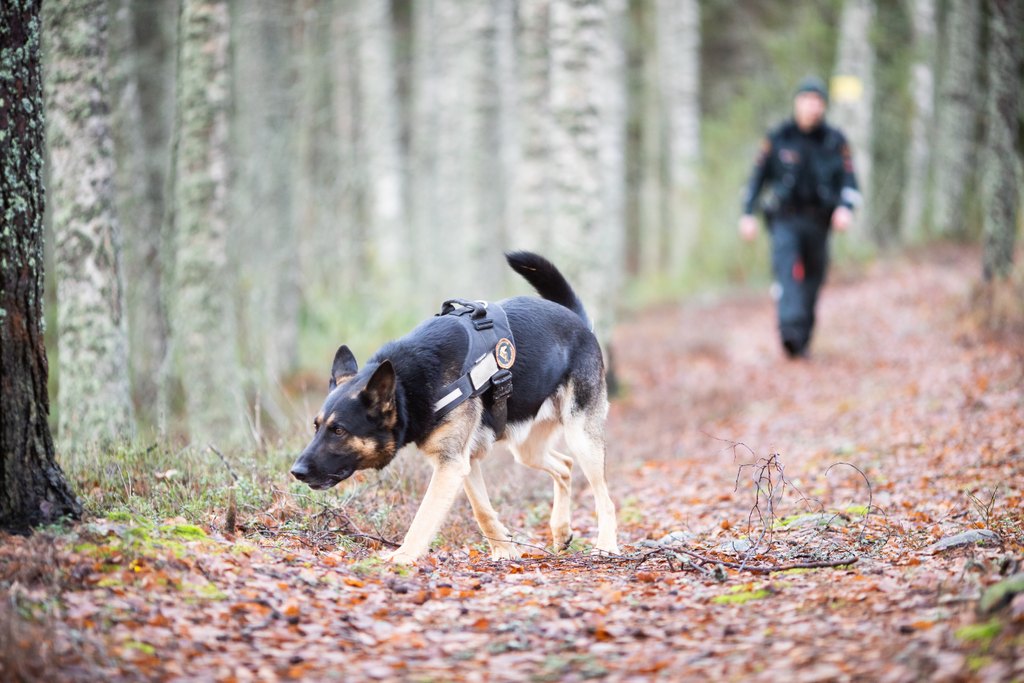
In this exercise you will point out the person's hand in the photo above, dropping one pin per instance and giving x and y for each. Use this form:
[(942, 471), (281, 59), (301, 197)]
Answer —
[(748, 227), (841, 219)]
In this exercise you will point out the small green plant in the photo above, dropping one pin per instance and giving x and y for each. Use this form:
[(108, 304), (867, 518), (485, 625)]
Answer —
[(740, 595), (980, 634)]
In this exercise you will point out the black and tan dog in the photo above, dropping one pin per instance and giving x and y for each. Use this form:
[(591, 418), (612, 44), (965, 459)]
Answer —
[(559, 391)]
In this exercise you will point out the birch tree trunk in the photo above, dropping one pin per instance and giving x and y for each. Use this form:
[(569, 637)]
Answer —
[(956, 137), (350, 247), (315, 164), (94, 399), (1001, 182), (651, 162), (919, 150), (459, 146), (263, 239), (377, 141), (202, 317), (678, 27), (32, 486), (852, 97), (142, 48), (532, 195), (587, 104)]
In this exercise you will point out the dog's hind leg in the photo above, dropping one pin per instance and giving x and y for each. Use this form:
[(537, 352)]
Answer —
[(585, 440), (536, 452), (493, 530)]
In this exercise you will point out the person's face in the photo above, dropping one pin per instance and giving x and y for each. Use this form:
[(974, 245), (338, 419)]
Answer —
[(808, 110)]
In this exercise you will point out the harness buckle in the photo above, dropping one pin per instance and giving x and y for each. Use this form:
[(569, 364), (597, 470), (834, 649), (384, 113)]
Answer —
[(482, 324), (501, 382)]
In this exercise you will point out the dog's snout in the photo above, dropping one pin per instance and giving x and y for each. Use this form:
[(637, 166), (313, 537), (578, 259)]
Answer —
[(300, 470)]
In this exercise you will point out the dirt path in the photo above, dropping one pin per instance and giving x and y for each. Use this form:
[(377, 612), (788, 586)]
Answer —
[(897, 385)]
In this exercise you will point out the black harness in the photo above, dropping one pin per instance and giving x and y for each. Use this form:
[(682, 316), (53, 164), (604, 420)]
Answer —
[(491, 352)]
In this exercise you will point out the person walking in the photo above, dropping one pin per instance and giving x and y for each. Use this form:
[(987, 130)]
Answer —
[(811, 188)]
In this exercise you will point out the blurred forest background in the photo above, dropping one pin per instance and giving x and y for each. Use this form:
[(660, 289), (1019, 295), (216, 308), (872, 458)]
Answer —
[(269, 179)]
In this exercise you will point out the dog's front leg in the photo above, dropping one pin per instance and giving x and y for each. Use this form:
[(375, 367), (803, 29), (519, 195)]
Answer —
[(445, 484)]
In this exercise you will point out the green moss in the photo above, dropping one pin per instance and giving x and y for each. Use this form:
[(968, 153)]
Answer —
[(371, 565), (140, 646), (857, 510), (976, 663), (739, 598), (185, 531), (981, 634), (206, 591)]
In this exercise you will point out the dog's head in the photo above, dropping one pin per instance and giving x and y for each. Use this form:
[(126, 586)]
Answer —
[(355, 429)]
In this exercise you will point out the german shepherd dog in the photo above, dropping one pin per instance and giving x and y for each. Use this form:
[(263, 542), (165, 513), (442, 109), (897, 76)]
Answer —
[(559, 390)]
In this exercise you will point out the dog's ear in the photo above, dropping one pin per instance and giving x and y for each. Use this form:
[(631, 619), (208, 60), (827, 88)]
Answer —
[(344, 366), (379, 393)]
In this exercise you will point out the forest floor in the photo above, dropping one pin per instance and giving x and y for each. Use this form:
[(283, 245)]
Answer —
[(903, 428)]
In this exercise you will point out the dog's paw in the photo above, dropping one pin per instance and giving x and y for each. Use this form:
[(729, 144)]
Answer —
[(400, 556), (562, 540), (505, 551), (607, 548)]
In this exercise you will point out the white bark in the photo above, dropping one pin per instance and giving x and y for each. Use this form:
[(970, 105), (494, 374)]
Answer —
[(94, 399), (957, 117), (532, 194), (1001, 193), (262, 238), (587, 104), (142, 72), (679, 76), (852, 95), (379, 165), (919, 150), (202, 315), (652, 155), (314, 209), (459, 146)]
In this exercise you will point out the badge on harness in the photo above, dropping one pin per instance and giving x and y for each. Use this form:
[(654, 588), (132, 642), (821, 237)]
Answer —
[(505, 353)]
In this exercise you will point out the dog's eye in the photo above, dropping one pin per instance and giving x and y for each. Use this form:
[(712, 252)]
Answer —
[(339, 431)]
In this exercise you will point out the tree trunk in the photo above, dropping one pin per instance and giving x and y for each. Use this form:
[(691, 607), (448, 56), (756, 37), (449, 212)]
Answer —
[(32, 487), (531, 201), (587, 104), (957, 118), (377, 141), (852, 97), (316, 167), (202, 317), (142, 61), (678, 27), (919, 150), (1001, 184), (448, 148), (350, 248), (94, 399), (653, 132), (262, 239)]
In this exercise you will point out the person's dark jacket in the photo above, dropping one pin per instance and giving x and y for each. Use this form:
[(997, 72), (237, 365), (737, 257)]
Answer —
[(803, 171)]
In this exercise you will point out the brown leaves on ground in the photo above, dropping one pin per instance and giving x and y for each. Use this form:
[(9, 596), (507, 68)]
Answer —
[(922, 407)]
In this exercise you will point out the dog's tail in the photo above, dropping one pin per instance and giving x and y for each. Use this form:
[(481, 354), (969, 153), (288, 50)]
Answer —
[(547, 280)]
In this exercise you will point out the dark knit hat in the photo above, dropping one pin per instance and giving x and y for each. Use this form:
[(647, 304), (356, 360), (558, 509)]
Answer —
[(813, 84)]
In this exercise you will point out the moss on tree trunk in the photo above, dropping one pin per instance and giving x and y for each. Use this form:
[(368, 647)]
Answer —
[(32, 487)]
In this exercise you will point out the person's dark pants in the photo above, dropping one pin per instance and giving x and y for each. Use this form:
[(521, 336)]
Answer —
[(799, 262)]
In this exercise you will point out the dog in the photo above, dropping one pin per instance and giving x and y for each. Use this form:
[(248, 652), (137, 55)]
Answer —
[(558, 390)]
